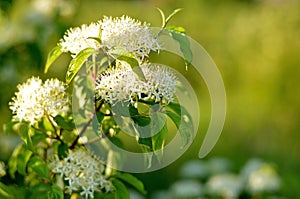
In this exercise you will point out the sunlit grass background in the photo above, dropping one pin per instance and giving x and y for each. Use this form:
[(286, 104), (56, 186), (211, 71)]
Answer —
[(255, 44)]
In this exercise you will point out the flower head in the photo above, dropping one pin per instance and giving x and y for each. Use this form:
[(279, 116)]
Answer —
[(123, 32), (130, 34), (122, 84), (78, 38), (83, 172), (35, 99)]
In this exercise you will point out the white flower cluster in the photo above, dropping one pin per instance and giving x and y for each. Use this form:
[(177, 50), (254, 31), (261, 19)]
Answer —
[(2, 169), (83, 173), (35, 99), (79, 38), (122, 84), (124, 32), (130, 34)]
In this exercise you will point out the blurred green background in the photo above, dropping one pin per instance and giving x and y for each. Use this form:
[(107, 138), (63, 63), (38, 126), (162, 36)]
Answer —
[(255, 44)]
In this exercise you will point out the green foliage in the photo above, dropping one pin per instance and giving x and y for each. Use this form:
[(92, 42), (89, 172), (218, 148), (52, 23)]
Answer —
[(78, 62), (182, 120), (39, 166), (56, 193), (121, 191), (123, 55), (133, 181), (52, 56), (177, 33)]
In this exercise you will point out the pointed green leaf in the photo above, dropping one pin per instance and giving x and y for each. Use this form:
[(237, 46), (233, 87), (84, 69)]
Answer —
[(163, 18), (13, 161), (39, 166), (184, 45), (52, 56), (121, 192), (123, 55), (25, 133), (158, 142), (23, 159), (39, 191), (182, 120), (78, 62), (6, 192), (62, 150), (56, 193), (133, 181), (64, 123), (172, 14)]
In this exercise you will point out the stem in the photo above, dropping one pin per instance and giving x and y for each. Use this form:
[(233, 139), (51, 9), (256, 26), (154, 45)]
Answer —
[(51, 122), (86, 125)]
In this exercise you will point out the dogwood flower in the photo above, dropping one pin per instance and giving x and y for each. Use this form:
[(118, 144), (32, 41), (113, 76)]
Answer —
[(134, 36), (33, 100), (122, 84), (83, 172)]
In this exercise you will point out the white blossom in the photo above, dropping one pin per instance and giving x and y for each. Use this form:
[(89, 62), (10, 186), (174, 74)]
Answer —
[(123, 32), (83, 172), (33, 100), (122, 84), (260, 177), (79, 38), (229, 186), (133, 35)]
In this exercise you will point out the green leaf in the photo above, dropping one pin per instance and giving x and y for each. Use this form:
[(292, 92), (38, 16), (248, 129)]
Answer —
[(56, 193), (163, 18), (123, 55), (158, 142), (133, 181), (39, 191), (64, 123), (23, 159), (172, 14), (62, 150), (39, 166), (6, 192), (184, 45), (176, 28), (52, 56), (13, 161), (25, 133), (182, 120), (121, 192), (38, 138), (142, 120), (78, 62)]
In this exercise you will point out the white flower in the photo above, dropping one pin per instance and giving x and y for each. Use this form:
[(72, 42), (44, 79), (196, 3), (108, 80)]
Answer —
[(130, 34), (78, 38), (264, 179), (260, 177), (122, 84), (54, 96), (2, 169), (83, 172), (123, 32), (35, 99), (228, 186)]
